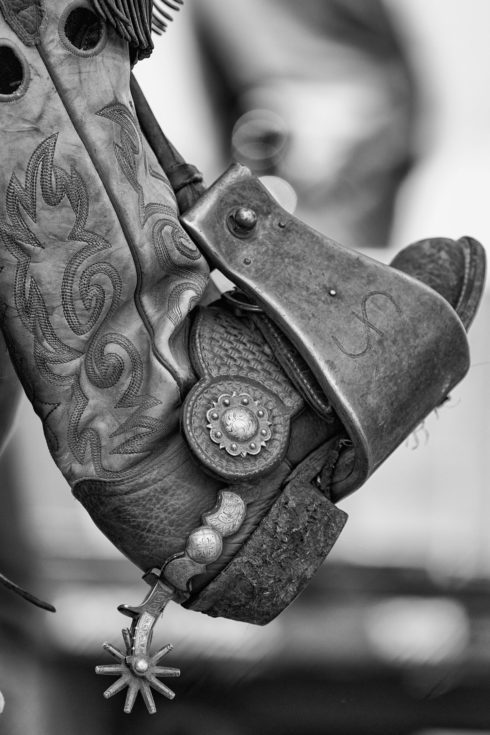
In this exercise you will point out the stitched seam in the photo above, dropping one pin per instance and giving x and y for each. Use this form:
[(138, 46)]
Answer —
[(67, 43), (126, 233), (22, 89)]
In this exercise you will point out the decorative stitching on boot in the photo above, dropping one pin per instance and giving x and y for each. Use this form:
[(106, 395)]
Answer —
[(174, 250), (57, 361)]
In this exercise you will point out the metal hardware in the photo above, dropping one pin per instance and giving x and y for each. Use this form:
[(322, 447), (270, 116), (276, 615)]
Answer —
[(205, 544), (137, 669), (242, 221), (245, 218), (239, 424)]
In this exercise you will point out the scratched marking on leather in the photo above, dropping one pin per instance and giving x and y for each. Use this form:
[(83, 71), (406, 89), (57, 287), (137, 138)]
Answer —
[(58, 363), (369, 328), (169, 240)]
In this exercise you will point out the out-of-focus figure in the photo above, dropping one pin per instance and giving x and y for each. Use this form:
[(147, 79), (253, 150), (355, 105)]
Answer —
[(319, 94)]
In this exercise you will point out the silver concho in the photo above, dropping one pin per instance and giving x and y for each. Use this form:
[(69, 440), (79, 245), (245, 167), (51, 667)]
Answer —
[(239, 424), (228, 514), (204, 545)]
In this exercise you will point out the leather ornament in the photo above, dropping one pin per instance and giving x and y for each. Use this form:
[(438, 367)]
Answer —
[(237, 417)]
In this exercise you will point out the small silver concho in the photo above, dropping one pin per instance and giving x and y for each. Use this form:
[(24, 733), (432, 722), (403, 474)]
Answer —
[(239, 424)]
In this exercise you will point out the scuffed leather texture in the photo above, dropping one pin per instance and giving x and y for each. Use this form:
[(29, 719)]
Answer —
[(97, 279), (288, 546), (150, 518), (454, 268)]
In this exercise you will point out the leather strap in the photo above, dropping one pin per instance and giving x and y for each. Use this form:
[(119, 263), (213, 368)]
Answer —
[(13, 587)]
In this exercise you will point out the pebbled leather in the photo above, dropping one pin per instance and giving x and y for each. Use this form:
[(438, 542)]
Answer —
[(149, 517)]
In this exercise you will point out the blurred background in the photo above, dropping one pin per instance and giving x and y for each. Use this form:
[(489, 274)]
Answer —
[(370, 119)]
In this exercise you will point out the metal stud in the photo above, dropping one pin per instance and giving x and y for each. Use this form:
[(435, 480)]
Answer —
[(204, 545), (245, 218)]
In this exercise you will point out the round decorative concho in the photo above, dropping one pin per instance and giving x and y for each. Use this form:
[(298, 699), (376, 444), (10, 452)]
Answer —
[(239, 424), (238, 428)]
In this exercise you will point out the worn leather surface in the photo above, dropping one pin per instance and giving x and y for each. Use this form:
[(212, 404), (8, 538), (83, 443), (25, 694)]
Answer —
[(97, 278), (149, 517), (278, 560), (454, 268), (384, 348), (97, 281)]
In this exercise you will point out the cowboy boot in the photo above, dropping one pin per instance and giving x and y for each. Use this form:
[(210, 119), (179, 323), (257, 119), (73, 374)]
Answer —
[(208, 444)]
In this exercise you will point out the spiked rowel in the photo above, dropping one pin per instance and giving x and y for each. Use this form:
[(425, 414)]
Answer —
[(137, 674)]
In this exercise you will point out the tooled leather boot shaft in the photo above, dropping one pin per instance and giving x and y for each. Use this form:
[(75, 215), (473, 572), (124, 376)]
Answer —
[(97, 275), (97, 282)]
